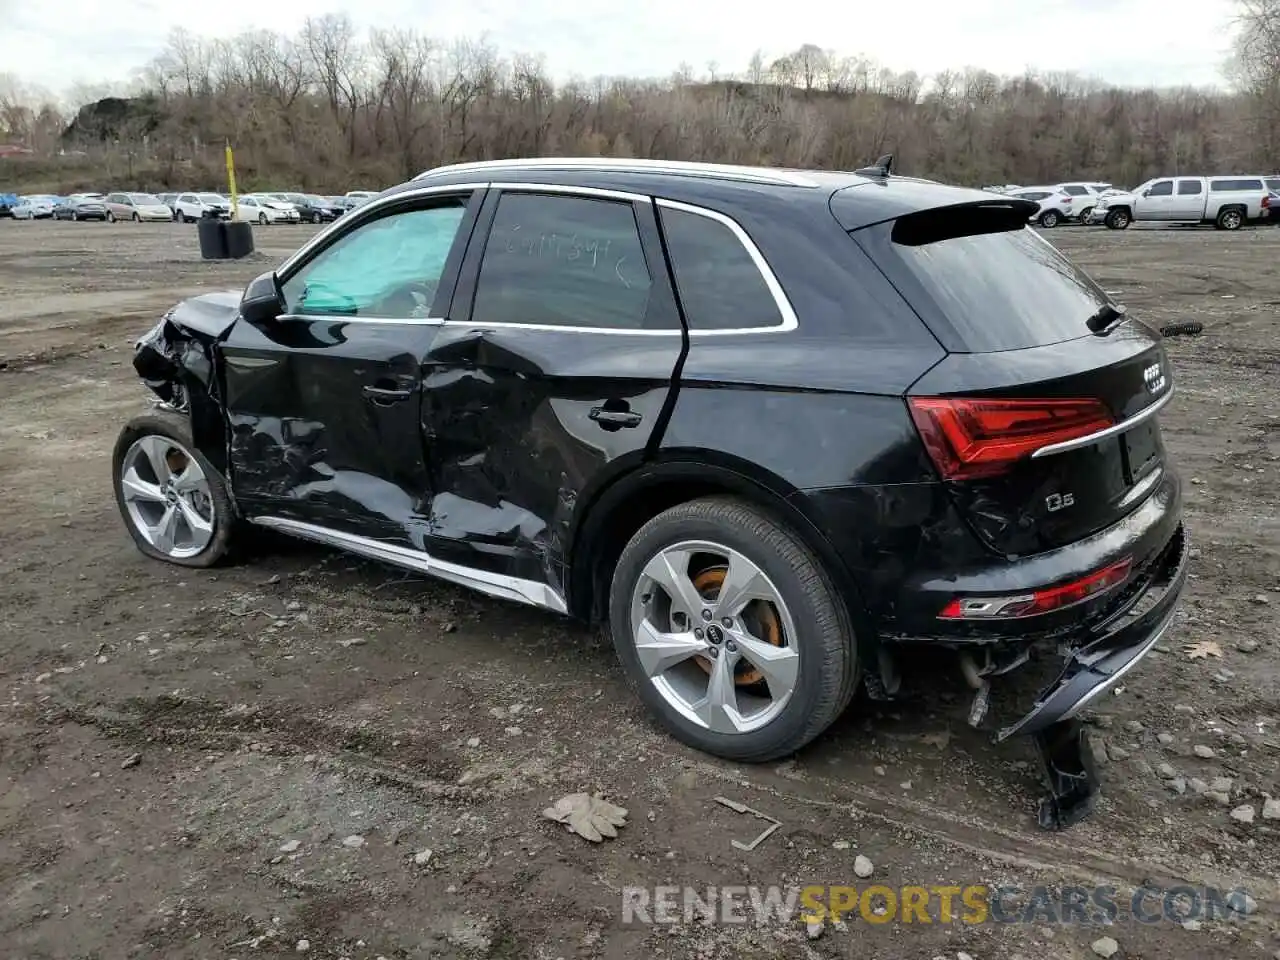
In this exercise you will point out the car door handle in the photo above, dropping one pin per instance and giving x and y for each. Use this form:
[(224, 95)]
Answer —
[(386, 394), (617, 418)]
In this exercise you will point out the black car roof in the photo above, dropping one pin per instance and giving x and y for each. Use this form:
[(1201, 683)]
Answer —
[(855, 200)]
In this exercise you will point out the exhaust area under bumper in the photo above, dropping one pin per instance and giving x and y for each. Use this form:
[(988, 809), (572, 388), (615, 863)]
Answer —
[(1099, 664)]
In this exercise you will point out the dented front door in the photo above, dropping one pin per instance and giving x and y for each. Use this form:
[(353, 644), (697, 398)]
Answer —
[(324, 402), (551, 375)]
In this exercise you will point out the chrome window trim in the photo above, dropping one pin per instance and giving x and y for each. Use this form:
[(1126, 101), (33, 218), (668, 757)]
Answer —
[(714, 171), (1146, 413), (789, 320), (494, 584)]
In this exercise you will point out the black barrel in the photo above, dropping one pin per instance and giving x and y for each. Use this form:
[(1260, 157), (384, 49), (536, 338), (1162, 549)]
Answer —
[(213, 237), (239, 239)]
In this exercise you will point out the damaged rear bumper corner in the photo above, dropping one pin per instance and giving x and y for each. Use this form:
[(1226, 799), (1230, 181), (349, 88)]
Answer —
[(1099, 664)]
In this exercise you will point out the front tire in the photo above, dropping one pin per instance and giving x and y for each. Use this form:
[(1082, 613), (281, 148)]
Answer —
[(1118, 219), (262, 219), (751, 676), (173, 501), (136, 219), (111, 217)]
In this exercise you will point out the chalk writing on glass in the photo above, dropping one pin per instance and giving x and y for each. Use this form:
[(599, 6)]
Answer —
[(588, 252)]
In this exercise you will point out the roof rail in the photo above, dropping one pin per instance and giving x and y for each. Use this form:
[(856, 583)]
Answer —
[(714, 171)]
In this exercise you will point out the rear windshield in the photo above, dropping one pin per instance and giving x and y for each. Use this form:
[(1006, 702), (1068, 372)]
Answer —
[(984, 292)]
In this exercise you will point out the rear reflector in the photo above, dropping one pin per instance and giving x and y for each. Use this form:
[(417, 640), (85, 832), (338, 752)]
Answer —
[(970, 437), (1039, 601)]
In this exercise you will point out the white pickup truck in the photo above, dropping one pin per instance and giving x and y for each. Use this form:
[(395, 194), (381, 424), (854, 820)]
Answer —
[(1227, 202)]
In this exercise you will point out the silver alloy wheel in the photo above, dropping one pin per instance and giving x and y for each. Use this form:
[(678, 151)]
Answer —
[(714, 637), (1231, 219), (167, 496)]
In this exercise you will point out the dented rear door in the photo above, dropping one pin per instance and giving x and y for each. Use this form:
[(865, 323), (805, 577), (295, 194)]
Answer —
[(550, 376), (324, 402)]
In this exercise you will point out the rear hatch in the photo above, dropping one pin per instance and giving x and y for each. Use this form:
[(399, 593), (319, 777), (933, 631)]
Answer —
[(1041, 418)]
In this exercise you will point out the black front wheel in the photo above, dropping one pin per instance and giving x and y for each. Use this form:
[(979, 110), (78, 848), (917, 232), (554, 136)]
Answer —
[(731, 631)]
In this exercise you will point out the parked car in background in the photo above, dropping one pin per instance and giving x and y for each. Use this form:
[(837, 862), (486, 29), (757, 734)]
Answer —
[(311, 209), (1084, 195), (260, 208), (968, 458), (190, 207), (169, 200), (7, 202), (81, 206), (1055, 206), (360, 197), (341, 204), (1227, 202), (136, 207), (35, 207)]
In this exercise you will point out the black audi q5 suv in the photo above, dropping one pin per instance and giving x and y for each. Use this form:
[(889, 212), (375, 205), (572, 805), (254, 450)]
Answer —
[(774, 428)]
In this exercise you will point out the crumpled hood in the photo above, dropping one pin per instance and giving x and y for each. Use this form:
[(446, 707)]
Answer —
[(209, 313)]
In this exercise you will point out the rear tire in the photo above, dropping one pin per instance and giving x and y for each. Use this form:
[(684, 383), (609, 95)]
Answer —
[(1049, 219), (111, 217), (1084, 214), (136, 219), (1118, 219), (774, 709), (173, 501), (262, 219), (1232, 218)]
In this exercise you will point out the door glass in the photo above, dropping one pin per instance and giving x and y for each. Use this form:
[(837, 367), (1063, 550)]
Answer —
[(1162, 189), (388, 268), (563, 261), (1188, 187)]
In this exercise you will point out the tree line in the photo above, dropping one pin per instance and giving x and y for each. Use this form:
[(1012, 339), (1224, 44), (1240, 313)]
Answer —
[(330, 108)]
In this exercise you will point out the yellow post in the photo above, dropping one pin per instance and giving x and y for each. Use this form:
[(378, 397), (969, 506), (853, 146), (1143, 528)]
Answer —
[(231, 182)]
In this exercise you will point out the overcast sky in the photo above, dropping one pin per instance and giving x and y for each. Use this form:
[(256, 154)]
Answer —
[(55, 43)]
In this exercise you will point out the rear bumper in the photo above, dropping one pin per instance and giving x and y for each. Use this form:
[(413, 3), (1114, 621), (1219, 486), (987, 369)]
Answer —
[(1115, 646)]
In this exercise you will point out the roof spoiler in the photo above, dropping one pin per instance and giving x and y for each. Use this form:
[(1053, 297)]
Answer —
[(878, 170)]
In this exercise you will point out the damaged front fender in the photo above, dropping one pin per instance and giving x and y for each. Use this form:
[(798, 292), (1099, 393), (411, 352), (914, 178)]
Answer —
[(177, 360)]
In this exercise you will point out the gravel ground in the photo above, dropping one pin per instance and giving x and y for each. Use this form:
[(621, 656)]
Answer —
[(254, 761)]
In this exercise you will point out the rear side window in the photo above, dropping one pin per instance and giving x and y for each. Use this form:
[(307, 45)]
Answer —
[(1075, 190), (1188, 187), (1222, 186), (720, 284), (1036, 195), (564, 261), (980, 291), (1273, 184)]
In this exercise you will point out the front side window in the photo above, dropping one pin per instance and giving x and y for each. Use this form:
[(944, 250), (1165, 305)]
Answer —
[(1162, 189), (388, 268), (564, 261), (720, 285)]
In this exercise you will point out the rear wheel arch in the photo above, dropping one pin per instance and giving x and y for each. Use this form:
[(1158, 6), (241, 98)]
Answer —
[(617, 512)]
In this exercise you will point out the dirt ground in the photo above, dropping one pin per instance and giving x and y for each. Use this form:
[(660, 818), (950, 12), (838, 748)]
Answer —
[(223, 764)]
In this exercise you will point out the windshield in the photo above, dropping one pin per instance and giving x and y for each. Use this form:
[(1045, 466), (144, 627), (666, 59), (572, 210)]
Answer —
[(210, 198), (145, 199), (1006, 289)]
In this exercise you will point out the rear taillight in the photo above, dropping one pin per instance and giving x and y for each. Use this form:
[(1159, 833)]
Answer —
[(1033, 603), (970, 437), (1266, 202)]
